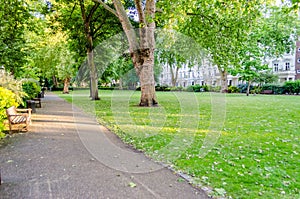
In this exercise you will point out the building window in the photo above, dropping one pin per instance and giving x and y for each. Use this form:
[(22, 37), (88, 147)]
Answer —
[(276, 67), (287, 66), (298, 49), (298, 60), (298, 71)]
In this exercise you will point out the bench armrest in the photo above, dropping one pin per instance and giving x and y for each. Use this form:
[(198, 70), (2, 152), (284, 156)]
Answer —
[(17, 115), (21, 114), (25, 111)]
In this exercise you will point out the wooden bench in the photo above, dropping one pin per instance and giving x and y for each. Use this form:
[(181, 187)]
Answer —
[(18, 116), (37, 101), (266, 92)]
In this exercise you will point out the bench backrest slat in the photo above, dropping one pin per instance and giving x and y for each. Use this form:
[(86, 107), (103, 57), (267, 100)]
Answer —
[(11, 111)]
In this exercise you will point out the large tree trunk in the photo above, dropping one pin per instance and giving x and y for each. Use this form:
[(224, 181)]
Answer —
[(142, 49), (224, 84), (93, 75), (55, 82), (145, 67), (121, 83), (90, 53), (66, 85), (174, 76), (248, 88), (143, 63)]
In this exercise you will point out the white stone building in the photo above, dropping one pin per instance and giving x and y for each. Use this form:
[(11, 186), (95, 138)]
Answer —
[(284, 67), (207, 74)]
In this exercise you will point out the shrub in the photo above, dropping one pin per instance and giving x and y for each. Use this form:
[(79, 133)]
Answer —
[(190, 89), (9, 82), (255, 90), (31, 88), (243, 88), (174, 88), (162, 88), (197, 88), (215, 88), (233, 89), (205, 88), (276, 88), (7, 99), (292, 87)]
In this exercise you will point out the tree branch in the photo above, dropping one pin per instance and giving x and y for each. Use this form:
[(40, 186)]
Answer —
[(100, 26), (94, 8), (82, 11), (107, 7), (127, 26), (72, 11), (139, 8)]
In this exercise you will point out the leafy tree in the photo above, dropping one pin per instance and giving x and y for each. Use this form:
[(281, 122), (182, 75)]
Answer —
[(223, 28), (276, 32), (177, 52), (141, 48), (250, 70), (31, 88), (173, 61), (15, 19), (219, 27), (272, 36), (51, 57), (87, 24), (117, 70), (266, 77), (66, 69)]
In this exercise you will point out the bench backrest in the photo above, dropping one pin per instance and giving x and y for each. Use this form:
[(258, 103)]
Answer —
[(11, 111)]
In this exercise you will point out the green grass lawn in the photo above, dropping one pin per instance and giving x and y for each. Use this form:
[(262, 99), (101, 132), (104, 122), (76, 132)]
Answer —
[(246, 146)]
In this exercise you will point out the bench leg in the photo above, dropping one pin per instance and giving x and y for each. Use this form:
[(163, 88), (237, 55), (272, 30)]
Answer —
[(28, 121), (10, 128)]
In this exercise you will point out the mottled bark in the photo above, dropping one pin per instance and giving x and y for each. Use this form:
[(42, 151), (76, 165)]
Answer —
[(144, 62), (66, 85), (93, 76), (55, 82), (121, 83), (248, 88), (90, 53), (142, 48), (174, 75), (224, 84)]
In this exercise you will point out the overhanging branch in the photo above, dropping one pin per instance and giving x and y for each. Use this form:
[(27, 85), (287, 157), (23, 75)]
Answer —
[(107, 7)]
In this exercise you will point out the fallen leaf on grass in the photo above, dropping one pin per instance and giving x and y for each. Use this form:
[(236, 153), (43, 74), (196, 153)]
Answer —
[(220, 191), (132, 185)]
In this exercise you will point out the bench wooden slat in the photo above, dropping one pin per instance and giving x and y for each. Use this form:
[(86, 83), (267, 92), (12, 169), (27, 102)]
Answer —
[(19, 119)]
